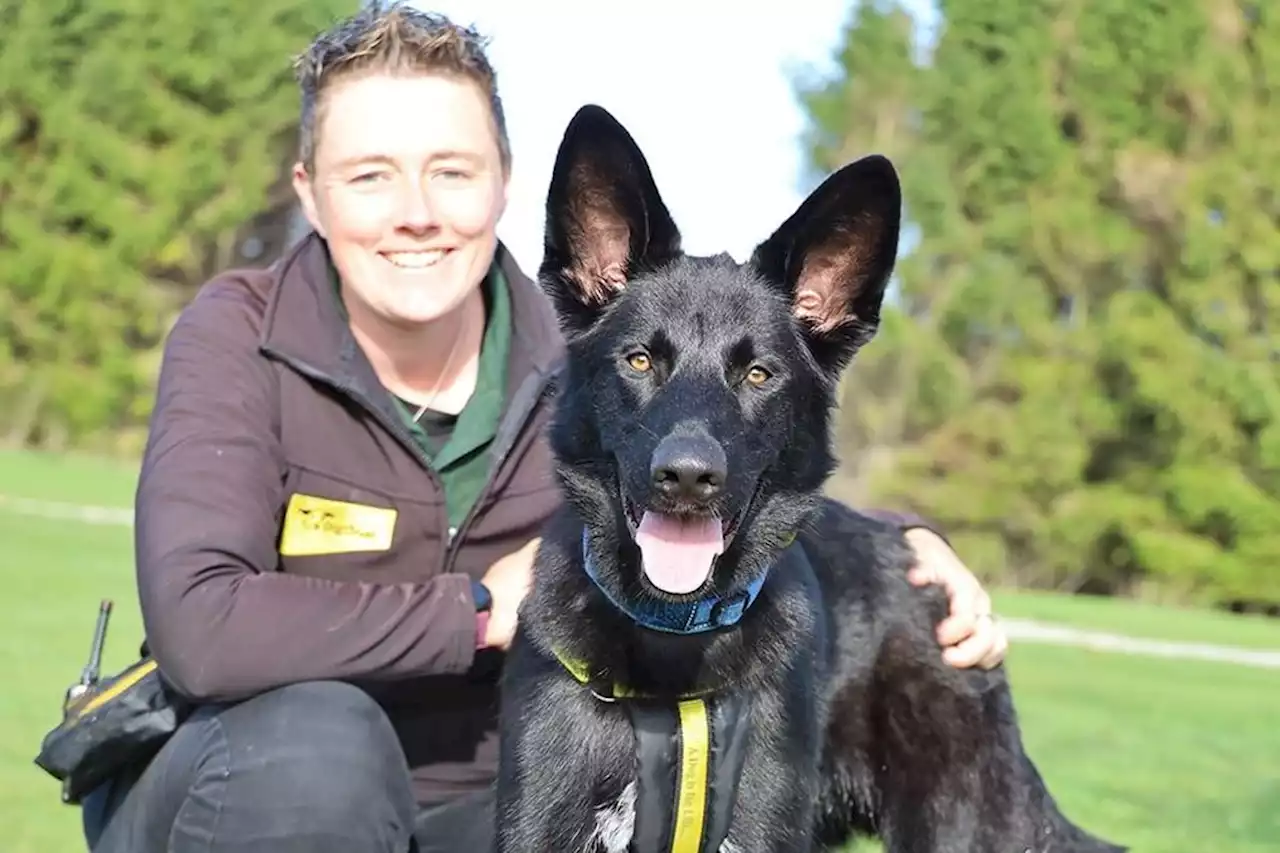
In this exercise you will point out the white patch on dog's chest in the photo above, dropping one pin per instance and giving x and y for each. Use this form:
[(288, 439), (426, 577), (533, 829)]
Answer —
[(615, 824)]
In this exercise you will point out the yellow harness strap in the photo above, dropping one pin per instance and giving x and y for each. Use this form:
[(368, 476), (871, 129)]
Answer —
[(691, 789), (604, 690), (679, 809)]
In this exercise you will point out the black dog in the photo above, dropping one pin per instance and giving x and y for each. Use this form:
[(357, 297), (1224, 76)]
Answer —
[(696, 557)]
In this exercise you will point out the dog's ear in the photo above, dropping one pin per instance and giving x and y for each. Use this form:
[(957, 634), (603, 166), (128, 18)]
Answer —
[(834, 255), (605, 218)]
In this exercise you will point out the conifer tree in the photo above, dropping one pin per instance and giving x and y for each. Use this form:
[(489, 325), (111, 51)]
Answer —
[(1080, 375), (136, 139)]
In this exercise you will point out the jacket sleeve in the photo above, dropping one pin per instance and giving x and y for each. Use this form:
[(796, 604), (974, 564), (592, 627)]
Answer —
[(221, 621)]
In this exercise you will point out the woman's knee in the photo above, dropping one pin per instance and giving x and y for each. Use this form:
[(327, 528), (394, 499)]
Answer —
[(321, 757), (315, 765), (315, 713), (322, 735)]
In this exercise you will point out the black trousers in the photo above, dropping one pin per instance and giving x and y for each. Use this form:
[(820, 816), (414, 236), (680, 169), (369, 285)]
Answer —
[(312, 767)]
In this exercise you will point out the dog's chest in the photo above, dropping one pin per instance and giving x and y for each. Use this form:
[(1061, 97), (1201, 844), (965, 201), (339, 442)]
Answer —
[(616, 822), (687, 763)]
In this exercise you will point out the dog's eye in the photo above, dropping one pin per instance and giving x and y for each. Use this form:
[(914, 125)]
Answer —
[(639, 362), (757, 375)]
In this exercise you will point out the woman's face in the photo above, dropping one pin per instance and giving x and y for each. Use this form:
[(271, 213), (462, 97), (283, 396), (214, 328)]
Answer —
[(407, 188)]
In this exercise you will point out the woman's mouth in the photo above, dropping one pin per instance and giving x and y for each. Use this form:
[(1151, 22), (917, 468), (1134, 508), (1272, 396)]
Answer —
[(416, 260)]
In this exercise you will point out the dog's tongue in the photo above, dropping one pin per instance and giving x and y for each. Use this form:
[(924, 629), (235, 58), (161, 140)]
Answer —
[(676, 554)]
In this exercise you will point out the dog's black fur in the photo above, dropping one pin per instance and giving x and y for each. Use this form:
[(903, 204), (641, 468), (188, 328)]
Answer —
[(858, 725)]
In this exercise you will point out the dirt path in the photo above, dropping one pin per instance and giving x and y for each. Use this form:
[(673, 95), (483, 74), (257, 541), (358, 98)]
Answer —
[(83, 513), (1019, 630), (1027, 630)]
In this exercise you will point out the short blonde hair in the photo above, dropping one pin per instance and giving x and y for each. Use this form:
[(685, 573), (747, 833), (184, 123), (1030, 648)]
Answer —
[(397, 39)]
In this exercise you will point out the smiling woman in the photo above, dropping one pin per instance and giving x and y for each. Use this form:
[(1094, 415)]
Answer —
[(392, 375), (408, 206)]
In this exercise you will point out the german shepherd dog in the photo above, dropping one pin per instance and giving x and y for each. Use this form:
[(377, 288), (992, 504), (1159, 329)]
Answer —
[(692, 442)]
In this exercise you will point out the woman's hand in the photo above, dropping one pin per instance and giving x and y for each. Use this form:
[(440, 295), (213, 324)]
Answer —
[(970, 635)]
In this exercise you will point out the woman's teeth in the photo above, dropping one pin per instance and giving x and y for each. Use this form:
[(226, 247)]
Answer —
[(415, 260)]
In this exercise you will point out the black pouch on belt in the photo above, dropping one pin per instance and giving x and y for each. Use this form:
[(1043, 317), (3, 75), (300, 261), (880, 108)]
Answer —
[(109, 724)]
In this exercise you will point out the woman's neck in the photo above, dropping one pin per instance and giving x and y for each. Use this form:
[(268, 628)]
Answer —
[(435, 366)]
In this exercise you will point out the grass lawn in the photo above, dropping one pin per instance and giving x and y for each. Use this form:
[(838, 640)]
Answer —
[(1165, 756), (75, 479)]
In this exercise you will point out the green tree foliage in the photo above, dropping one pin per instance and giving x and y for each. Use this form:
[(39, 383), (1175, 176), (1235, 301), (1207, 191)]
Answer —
[(1080, 377), (136, 138)]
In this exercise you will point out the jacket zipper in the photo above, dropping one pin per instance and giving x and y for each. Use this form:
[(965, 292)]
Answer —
[(509, 429), (396, 428)]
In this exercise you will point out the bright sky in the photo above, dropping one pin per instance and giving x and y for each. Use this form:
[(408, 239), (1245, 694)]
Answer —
[(702, 85)]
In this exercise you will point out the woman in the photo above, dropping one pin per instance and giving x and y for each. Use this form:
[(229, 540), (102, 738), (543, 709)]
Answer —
[(345, 479)]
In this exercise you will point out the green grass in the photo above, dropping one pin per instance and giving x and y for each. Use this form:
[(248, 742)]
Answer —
[(1166, 756), (55, 572), (71, 478)]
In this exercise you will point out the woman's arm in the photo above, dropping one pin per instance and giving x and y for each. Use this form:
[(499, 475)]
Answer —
[(220, 620)]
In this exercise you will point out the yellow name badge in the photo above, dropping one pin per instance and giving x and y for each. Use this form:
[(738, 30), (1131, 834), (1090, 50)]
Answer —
[(314, 526)]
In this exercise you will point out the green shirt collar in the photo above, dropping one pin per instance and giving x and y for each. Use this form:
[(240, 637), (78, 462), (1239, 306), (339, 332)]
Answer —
[(478, 421)]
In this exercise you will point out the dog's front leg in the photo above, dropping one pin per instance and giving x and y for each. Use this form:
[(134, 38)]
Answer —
[(778, 790), (566, 763)]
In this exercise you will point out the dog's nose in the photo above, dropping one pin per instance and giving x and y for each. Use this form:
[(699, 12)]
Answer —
[(688, 467)]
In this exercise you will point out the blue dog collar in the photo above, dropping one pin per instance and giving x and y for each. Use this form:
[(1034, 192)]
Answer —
[(693, 617)]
